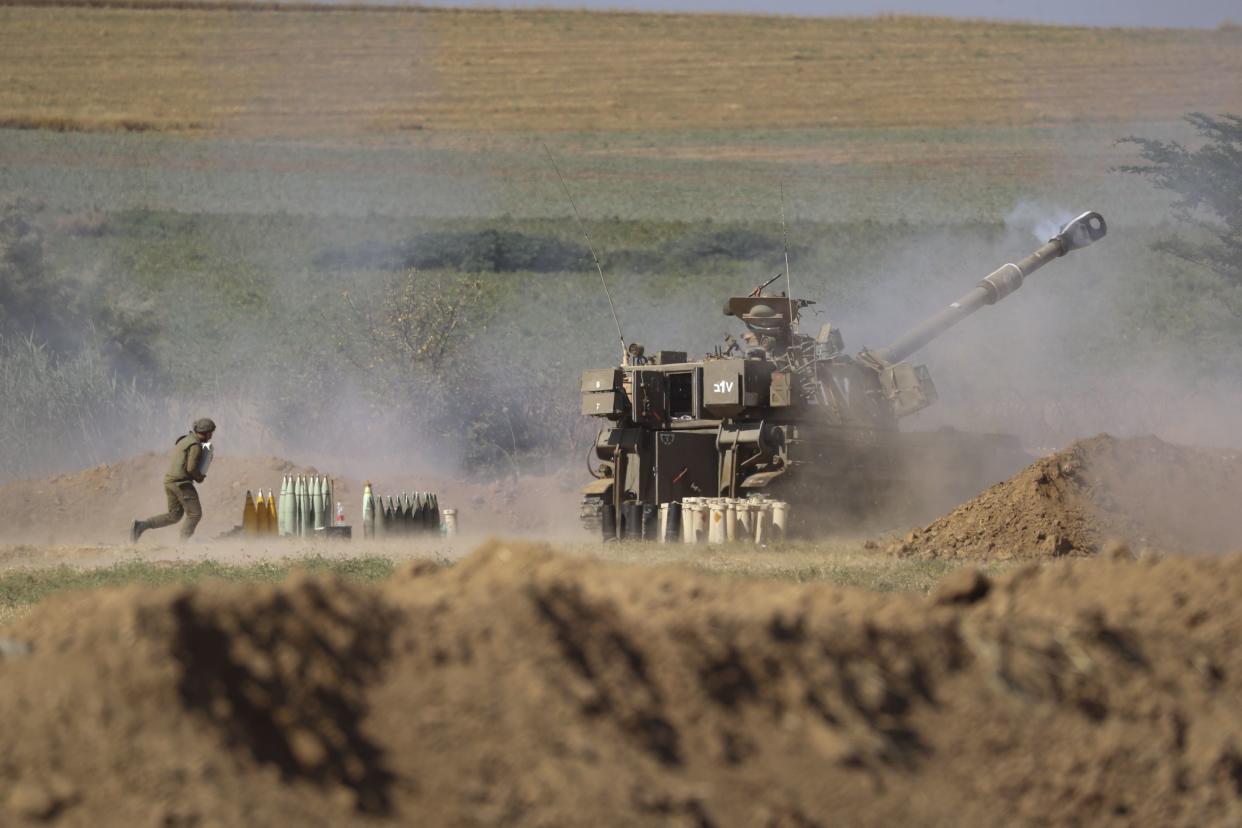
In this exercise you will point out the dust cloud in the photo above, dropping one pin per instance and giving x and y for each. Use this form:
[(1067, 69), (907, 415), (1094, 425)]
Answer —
[(1079, 349)]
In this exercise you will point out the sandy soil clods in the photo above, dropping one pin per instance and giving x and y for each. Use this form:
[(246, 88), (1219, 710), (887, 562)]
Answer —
[(1143, 492), (523, 688)]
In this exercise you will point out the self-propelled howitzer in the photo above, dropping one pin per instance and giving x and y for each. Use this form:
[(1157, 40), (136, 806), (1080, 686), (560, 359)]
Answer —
[(790, 415)]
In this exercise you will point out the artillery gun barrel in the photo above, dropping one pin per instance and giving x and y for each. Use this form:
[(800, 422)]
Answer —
[(1080, 232)]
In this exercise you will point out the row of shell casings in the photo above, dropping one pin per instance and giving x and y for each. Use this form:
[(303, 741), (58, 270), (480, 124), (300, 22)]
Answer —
[(406, 514), (757, 520), (305, 505), (259, 514)]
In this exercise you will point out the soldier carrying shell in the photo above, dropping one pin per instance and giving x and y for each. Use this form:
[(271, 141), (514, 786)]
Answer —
[(187, 465)]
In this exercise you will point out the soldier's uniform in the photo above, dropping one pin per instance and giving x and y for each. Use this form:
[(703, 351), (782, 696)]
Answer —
[(186, 467)]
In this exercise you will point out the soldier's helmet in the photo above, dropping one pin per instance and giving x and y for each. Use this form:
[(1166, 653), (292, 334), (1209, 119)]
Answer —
[(204, 425)]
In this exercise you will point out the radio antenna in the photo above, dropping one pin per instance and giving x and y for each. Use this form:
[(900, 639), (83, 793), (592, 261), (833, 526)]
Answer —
[(785, 244), (591, 247)]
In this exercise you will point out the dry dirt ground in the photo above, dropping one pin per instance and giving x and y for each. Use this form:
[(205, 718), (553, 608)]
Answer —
[(84, 517), (1141, 492), (526, 687), (521, 687)]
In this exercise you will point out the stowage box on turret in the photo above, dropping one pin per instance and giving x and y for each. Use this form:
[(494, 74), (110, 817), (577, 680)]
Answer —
[(789, 415)]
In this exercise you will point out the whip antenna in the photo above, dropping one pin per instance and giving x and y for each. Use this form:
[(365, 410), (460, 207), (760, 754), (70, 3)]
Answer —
[(591, 247), (785, 244)]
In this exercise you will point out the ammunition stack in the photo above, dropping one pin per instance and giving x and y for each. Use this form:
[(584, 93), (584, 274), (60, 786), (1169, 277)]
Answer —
[(404, 516), (259, 515), (305, 506)]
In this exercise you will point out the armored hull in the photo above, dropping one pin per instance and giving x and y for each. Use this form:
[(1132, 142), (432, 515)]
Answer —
[(794, 417)]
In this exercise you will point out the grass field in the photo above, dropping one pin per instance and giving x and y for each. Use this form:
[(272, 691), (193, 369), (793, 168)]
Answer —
[(844, 563), (403, 72), (907, 175), (22, 589)]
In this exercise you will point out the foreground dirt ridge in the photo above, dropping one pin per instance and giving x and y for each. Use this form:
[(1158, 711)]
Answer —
[(526, 688)]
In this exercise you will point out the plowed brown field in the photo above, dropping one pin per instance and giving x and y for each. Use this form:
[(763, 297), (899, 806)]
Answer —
[(336, 70)]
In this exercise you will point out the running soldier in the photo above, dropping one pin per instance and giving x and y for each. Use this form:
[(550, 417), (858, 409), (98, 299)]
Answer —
[(187, 465)]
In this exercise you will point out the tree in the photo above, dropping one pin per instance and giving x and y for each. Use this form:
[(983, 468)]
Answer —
[(411, 337), (1208, 183), (415, 330)]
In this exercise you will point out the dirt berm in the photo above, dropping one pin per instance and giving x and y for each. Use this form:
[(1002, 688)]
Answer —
[(1143, 492), (522, 688)]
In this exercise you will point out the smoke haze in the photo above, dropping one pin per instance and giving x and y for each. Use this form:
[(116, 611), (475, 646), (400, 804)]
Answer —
[(228, 244)]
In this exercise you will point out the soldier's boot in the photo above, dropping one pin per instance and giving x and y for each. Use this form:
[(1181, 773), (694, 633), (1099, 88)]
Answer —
[(135, 531)]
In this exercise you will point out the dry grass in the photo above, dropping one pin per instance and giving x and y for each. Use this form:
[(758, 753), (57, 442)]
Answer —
[(22, 589), (240, 69), (28, 573), (844, 562)]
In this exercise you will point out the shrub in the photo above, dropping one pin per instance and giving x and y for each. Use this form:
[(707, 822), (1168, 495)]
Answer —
[(1208, 183), (473, 251), (64, 413), (494, 251)]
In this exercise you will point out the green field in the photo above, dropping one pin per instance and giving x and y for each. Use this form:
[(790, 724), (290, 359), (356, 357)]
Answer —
[(657, 177), (230, 227)]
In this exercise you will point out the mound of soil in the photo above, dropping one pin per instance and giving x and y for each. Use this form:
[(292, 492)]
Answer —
[(97, 505), (522, 688), (1143, 492)]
